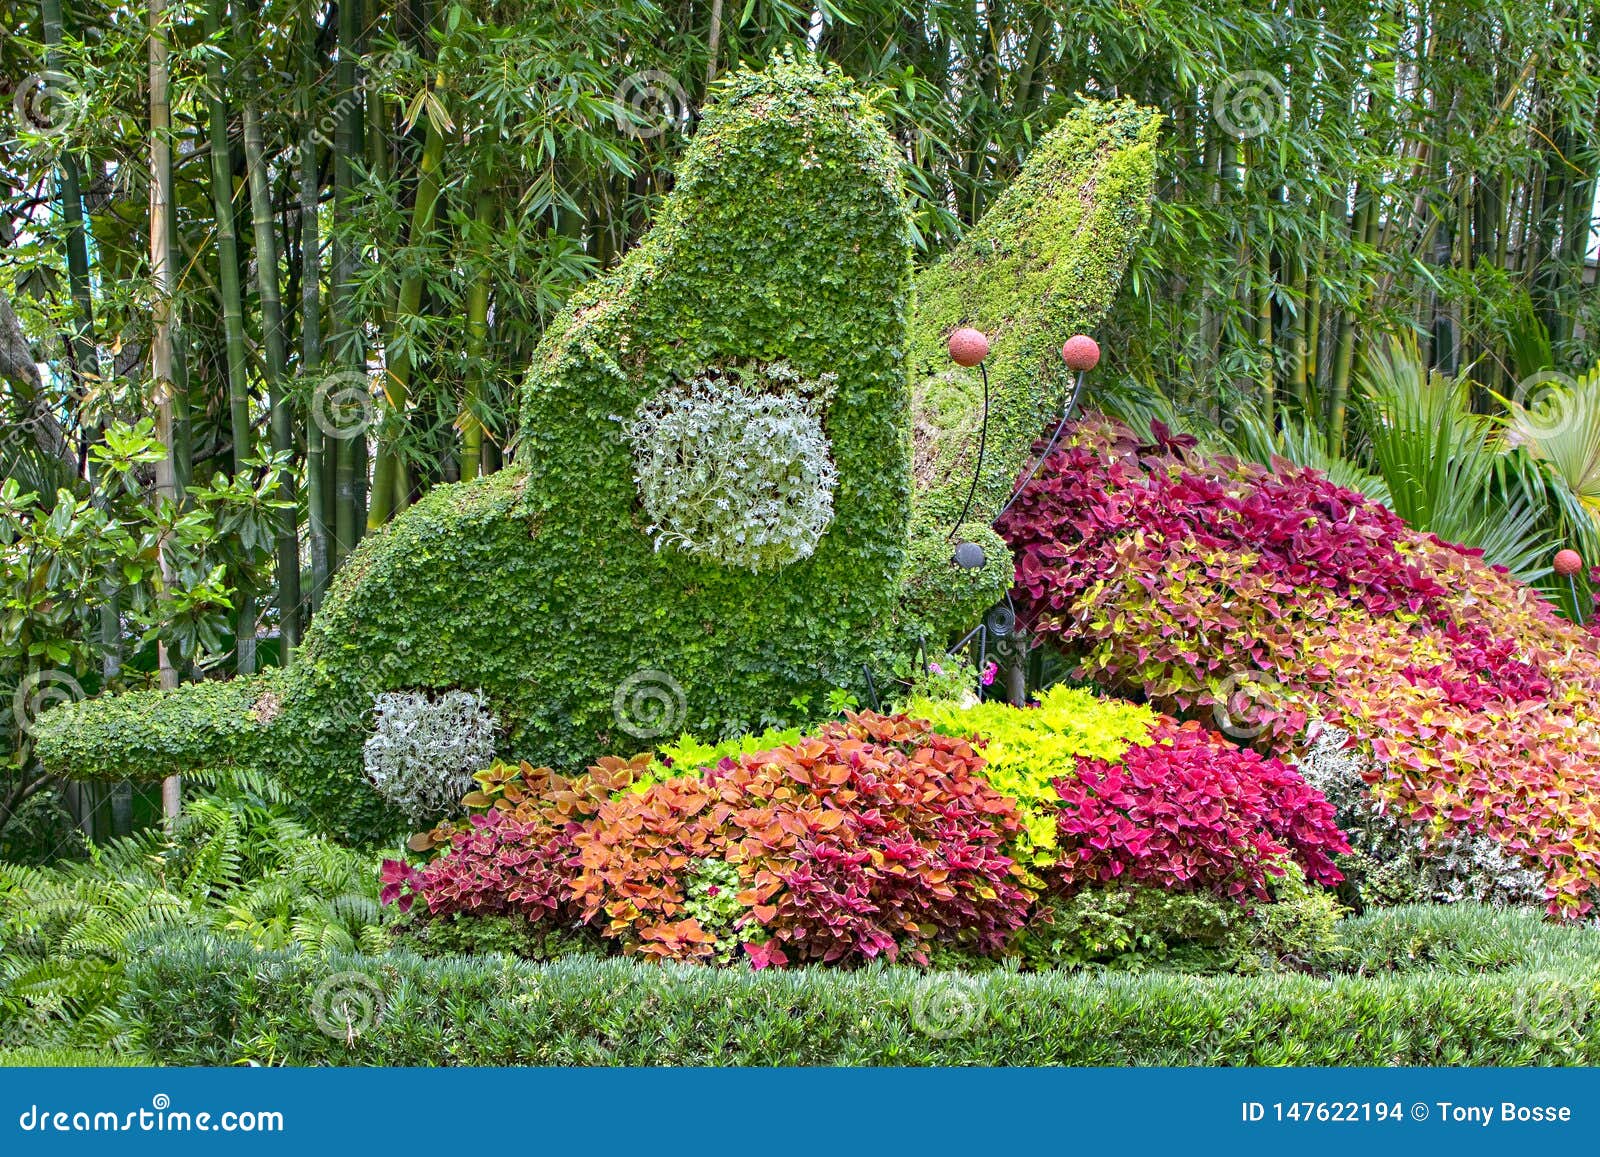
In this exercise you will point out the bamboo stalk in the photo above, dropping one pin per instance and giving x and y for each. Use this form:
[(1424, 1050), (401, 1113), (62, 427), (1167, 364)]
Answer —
[(1344, 351), (399, 362), (75, 240), (227, 244), (311, 316), (232, 304), (346, 330), (282, 421), (161, 334), (485, 217)]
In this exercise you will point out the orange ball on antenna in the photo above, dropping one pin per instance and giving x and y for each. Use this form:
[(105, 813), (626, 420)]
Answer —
[(968, 346), (1081, 352)]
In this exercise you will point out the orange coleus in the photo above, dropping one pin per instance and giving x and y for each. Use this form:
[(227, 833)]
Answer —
[(874, 837)]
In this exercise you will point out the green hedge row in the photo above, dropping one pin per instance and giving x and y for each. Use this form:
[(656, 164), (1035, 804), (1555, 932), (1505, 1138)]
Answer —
[(1517, 993)]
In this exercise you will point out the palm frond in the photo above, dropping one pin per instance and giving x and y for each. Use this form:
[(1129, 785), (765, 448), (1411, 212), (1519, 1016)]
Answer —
[(1447, 469)]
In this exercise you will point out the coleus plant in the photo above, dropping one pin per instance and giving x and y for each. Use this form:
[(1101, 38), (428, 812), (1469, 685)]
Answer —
[(1178, 578), (877, 837), (1190, 812), (874, 837)]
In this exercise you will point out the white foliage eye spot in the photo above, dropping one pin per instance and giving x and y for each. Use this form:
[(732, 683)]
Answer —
[(736, 467), (425, 748)]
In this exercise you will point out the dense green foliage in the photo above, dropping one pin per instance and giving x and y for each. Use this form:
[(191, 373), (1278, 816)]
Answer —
[(1138, 928), (236, 865), (1459, 986), (784, 241), (75, 569)]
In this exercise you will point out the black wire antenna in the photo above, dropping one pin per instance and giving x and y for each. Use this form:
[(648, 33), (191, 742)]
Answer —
[(983, 440), (1066, 416)]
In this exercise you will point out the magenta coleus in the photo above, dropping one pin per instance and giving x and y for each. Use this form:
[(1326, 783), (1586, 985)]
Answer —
[(1190, 812)]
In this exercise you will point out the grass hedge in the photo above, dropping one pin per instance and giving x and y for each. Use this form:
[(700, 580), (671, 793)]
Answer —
[(1422, 986)]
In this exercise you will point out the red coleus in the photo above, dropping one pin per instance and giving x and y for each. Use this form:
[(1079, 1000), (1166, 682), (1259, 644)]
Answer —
[(874, 837), (1183, 579), (515, 853), (1191, 812), (498, 864)]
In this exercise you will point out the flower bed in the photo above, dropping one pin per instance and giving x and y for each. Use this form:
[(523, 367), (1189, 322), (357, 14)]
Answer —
[(878, 837), (1278, 601)]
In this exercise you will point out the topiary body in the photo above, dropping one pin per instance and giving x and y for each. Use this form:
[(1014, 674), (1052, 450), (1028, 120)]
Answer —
[(785, 242)]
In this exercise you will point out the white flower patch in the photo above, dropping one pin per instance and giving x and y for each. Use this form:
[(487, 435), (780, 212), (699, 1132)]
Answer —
[(425, 748), (736, 466)]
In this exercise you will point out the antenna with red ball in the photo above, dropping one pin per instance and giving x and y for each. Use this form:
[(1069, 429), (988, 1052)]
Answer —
[(1567, 564), (968, 347), (1081, 353)]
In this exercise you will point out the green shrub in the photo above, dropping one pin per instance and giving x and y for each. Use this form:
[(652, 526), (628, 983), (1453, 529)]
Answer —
[(200, 1001), (1144, 927), (1457, 938), (234, 866), (785, 241), (489, 934), (63, 1058), (1134, 928)]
